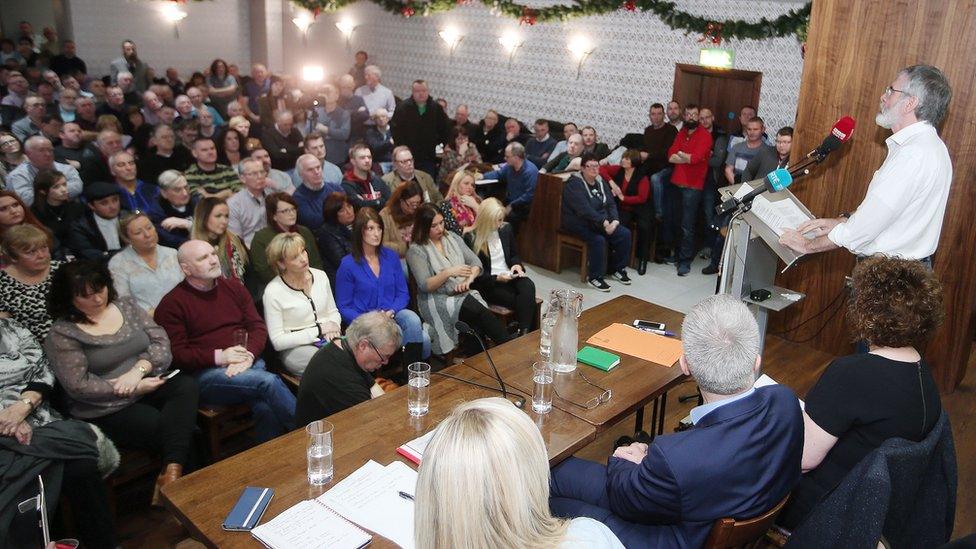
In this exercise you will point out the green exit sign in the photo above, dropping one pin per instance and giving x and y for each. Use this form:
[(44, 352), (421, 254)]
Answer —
[(716, 57)]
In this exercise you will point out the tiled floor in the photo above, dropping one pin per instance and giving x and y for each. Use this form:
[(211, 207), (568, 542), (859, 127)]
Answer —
[(660, 285)]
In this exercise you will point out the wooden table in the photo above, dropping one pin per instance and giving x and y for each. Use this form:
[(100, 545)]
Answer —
[(371, 430), (635, 382)]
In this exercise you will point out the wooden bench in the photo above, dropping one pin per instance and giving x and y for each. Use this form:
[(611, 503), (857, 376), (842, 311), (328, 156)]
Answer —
[(134, 465), (219, 423), (575, 243), (507, 315)]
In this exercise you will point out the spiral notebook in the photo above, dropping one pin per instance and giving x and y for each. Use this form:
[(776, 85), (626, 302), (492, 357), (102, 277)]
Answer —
[(311, 525)]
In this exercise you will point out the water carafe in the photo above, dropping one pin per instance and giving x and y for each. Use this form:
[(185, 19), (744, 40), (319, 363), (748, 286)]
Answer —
[(566, 305)]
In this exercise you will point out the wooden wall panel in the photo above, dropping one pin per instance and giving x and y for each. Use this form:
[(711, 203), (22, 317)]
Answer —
[(854, 51)]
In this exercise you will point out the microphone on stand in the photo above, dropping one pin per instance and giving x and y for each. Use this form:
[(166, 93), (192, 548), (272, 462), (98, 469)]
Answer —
[(782, 178), (776, 180), (465, 328)]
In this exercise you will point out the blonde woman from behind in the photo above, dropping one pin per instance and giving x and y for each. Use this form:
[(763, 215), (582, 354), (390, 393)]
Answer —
[(484, 484)]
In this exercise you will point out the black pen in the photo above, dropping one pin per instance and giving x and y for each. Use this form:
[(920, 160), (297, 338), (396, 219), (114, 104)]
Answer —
[(405, 495)]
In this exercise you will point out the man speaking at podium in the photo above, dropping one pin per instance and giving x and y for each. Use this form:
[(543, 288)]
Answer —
[(902, 213)]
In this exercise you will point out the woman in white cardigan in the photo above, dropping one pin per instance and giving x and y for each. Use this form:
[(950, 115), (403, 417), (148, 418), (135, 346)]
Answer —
[(299, 309)]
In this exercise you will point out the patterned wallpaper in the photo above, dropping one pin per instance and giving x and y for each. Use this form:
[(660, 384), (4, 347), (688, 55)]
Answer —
[(632, 66)]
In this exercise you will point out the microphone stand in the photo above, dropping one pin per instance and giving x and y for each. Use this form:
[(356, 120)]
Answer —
[(463, 327), (519, 401), (796, 171)]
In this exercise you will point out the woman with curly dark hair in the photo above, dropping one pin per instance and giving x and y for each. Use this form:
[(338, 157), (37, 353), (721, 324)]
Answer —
[(863, 399)]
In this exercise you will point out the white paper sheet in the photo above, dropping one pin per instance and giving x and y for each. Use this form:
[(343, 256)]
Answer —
[(370, 498), (310, 525), (776, 215)]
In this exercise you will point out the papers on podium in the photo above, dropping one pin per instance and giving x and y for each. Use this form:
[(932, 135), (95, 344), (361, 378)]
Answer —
[(778, 215)]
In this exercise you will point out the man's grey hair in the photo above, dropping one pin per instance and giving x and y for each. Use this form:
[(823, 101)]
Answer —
[(298, 162), (113, 156), (169, 178), (377, 327), (35, 140), (516, 149), (121, 74), (248, 160), (373, 69), (931, 87), (720, 339)]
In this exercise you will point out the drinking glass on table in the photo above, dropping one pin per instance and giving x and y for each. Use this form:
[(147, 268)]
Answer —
[(418, 388), (319, 452), (542, 377), (240, 337), (545, 336)]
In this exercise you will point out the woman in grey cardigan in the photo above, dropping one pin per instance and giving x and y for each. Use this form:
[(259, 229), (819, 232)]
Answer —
[(111, 357), (444, 268)]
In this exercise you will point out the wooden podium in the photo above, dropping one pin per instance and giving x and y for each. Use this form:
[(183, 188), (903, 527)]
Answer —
[(752, 254)]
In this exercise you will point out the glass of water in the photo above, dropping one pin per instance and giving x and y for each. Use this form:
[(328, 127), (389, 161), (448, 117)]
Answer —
[(418, 388), (319, 452), (545, 336), (542, 377), (240, 337)]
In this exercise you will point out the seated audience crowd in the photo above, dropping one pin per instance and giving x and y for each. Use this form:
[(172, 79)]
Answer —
[(166, 245)]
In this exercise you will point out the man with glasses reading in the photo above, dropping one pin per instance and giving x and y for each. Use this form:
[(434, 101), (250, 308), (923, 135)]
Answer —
[(741, 458), (340, 374), (902, 213)]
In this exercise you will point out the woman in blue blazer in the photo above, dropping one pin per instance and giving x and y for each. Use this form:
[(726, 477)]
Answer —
[(371, 278)]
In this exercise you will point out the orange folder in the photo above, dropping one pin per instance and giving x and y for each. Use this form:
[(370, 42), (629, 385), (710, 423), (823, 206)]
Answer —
[(628, 340)]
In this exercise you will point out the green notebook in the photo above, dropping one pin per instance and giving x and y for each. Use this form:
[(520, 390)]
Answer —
[(597, 358)]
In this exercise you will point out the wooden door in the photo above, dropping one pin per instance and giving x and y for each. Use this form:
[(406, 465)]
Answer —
[(724, 91)]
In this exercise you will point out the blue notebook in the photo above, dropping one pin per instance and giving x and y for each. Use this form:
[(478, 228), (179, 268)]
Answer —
[(248, 510)]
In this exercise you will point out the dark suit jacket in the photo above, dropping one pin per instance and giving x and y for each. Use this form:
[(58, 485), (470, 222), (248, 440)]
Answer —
[(334, 242), (738, 461), (86, 241), (94, 166), (284, 149), (421, 132), (512, 258)]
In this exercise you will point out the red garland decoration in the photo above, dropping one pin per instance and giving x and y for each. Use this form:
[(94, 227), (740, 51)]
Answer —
[(408, 11), (630, 5), (713, 34), (529, 16)]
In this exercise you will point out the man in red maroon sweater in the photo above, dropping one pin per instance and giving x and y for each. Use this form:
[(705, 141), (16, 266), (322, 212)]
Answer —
[(689, 153), (204, 317)]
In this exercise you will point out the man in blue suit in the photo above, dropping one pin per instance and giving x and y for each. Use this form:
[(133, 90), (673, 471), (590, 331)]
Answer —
[(739, 460)]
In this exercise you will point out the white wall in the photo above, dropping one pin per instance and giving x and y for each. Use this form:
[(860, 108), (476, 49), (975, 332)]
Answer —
[(218, 28), (632, 66)]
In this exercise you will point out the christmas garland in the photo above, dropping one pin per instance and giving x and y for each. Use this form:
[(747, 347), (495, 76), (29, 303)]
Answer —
[(793, 22)]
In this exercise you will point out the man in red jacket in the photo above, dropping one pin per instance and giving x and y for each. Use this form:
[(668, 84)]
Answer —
[(689, 153), (216, 333)]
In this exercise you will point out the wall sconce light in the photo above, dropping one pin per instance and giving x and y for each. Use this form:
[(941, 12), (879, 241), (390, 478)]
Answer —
[(452, 38), (174, 14), (346, 27), (303, 21), (511, 41), (313, 73), (581, 48)]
